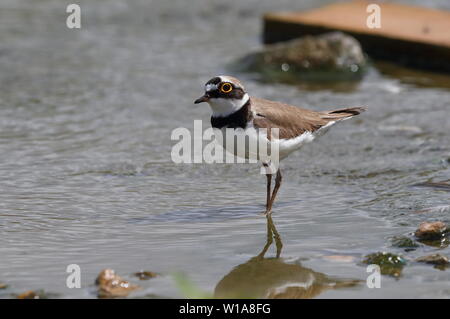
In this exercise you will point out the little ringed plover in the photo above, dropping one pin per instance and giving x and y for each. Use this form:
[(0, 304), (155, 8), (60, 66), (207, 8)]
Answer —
[(233, 108)]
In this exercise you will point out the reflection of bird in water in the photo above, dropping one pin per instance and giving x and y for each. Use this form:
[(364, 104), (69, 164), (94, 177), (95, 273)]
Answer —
[(262, 277)]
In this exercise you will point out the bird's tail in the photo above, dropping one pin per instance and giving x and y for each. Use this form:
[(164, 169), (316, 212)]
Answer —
[(342, 114)]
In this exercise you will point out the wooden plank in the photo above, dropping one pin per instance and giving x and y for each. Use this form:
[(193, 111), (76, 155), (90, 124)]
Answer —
[(410, 35)]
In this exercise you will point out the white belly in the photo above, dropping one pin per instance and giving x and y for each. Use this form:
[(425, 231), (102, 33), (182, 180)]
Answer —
[(287, 146), (253, 144)]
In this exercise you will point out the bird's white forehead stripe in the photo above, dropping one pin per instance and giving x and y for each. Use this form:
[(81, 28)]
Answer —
[(210, 87), (225, 78)]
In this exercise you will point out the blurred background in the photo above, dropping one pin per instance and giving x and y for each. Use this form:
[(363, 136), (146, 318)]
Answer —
[(86, 176)]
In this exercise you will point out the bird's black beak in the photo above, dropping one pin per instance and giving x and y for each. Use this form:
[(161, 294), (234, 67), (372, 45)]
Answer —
[(204, 98)]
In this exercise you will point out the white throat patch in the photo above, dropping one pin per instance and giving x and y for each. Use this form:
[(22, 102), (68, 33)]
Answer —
[(223, 107)]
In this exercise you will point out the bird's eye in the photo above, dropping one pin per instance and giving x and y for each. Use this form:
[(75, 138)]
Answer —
[(226, 88)]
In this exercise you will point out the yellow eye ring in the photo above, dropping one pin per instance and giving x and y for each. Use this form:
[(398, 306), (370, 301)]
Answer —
[(226, 88)]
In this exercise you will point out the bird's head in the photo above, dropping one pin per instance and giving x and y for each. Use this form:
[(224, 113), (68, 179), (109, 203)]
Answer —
[(225, 95)]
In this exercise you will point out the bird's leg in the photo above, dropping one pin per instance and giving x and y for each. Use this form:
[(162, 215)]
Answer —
[(269, 182), (278, 179)]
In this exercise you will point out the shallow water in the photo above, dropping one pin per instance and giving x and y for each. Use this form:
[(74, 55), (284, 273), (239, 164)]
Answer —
[(86, 176)]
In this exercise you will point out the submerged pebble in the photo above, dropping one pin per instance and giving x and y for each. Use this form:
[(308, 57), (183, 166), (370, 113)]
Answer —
[(390, 264), (404, 242), (436, 209), (145, 274), (111, 285), (438, 260)]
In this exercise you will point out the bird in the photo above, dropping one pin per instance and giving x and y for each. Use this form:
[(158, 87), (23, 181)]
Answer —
[(233, 108)]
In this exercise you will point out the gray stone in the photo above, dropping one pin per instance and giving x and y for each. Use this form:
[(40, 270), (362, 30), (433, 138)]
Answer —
[(322, 57)]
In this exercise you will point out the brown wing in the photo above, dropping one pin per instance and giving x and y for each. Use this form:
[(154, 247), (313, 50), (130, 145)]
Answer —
[(293, 121), (342, 114)]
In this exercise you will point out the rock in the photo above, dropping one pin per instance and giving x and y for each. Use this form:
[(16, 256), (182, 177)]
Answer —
[(439, 261), (404, 242), (435, 259), (325, 57), (30, 294), (431, 230), (3, 286), (390, 264), (36, 294), (145, 275), (111, 285)]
